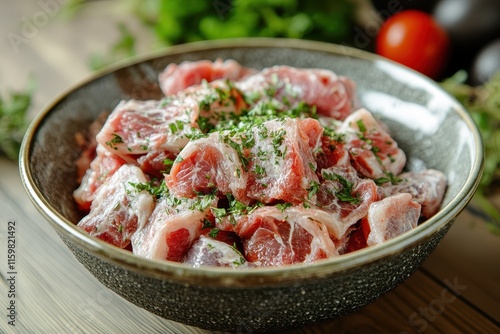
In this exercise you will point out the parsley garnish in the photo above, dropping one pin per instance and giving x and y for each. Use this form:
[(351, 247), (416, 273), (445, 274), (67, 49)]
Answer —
[(283, 206), (361, 125), (206, 223), (214, 233), (115, 140), (152, 188), (388, 178), (241, 260), (338, 137), (344, 194), (168, 165), (313, 189)]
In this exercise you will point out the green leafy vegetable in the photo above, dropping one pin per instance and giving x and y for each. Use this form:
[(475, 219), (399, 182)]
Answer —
[(13, 121), (483, 103), (175, 22)]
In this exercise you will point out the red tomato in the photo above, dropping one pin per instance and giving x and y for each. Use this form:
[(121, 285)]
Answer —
[(414, 39)]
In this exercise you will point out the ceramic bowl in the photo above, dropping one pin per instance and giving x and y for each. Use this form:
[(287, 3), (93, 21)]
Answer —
[(429, 125)]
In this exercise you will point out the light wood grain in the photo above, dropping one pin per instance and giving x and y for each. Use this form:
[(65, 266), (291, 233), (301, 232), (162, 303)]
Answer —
[(471, 253), (419, 305)]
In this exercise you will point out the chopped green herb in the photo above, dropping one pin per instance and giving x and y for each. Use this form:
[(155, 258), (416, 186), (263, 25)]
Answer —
[(151, 187), (313, 189), (259, 170), (361, 125), (219, 212), (115, 140), (204, 124), (173, 127), (338, 137), (206, 223), (388, 178), (283, 206), (241, 260), (344, 194), (168, 164), (214, 233)]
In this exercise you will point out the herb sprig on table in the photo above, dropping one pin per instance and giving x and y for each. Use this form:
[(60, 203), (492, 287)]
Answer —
[(483, 103), (13, 121)]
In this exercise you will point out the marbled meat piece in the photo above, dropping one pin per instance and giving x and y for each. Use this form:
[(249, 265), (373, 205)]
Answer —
[(333, 95), (156, 163), (118, 209), (332, 153), (281, 162), (87, 142), (373, 152), (275, 237), (207, 251), (104, 165), (177, 77), (205, 165), (270, 162), (138, 127), (427, 188), (171, 229), (345, 196), (391, 217)]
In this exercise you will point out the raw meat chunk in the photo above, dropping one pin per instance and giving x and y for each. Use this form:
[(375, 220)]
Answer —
[(171, 229), (356, 239), (391, 217), (87, 142), (274, 237), (178, 77), (332, 153), (101, 168), (205, 165), (271, 162), (333, 95), (282, 165), (373, 152), (210, 252), (427, 188), (345, 196), (153, 163), (118, 209), (138, 127)]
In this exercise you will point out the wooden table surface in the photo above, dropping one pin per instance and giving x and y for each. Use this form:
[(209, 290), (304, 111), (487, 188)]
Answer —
[(457, 289)]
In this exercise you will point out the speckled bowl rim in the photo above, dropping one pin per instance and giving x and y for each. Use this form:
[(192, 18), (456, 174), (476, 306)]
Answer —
[(253, 277)]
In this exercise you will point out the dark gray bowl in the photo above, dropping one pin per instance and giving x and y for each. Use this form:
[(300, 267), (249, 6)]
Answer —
[(433, 129)]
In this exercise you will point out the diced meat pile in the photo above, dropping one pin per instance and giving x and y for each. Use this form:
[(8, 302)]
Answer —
[(242, 168)]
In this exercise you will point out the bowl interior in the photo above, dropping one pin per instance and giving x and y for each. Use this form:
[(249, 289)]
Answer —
[(429, 125)]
